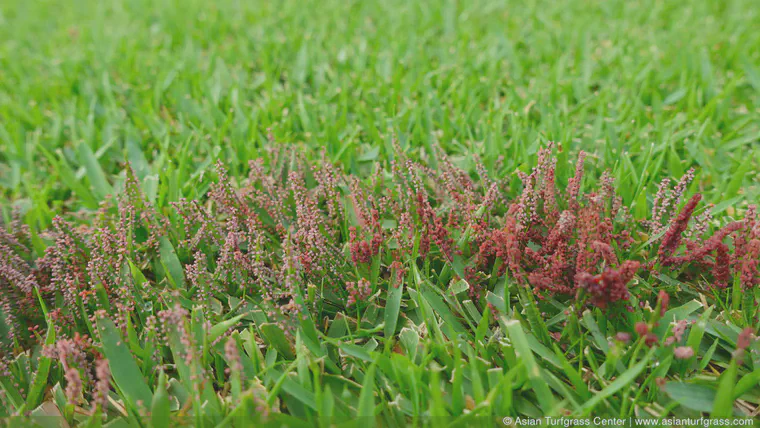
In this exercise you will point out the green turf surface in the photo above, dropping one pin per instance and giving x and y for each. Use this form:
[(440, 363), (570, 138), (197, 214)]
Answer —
[(648, 89)]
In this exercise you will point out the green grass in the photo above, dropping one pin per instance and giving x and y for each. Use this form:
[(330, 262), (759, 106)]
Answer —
[(649, 89)]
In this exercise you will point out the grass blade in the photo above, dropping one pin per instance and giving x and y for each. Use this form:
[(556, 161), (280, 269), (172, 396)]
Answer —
[(124, 369), (539, 385)]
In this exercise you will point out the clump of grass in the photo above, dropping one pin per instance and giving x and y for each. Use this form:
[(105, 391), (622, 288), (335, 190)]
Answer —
[(301, 268)]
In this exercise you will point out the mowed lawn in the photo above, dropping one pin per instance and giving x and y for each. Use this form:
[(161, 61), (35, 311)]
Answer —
[(649, 88), (381, 235)]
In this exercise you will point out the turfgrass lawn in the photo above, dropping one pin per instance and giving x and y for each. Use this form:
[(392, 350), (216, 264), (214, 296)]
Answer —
[(647, 89)]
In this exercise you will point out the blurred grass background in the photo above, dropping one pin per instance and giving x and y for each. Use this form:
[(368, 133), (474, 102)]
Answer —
[(649, 88)]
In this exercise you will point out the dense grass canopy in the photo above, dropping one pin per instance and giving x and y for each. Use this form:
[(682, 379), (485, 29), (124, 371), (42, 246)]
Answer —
[(378, 213)]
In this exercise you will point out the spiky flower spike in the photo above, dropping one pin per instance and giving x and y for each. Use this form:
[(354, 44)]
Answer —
[(296, 239)]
